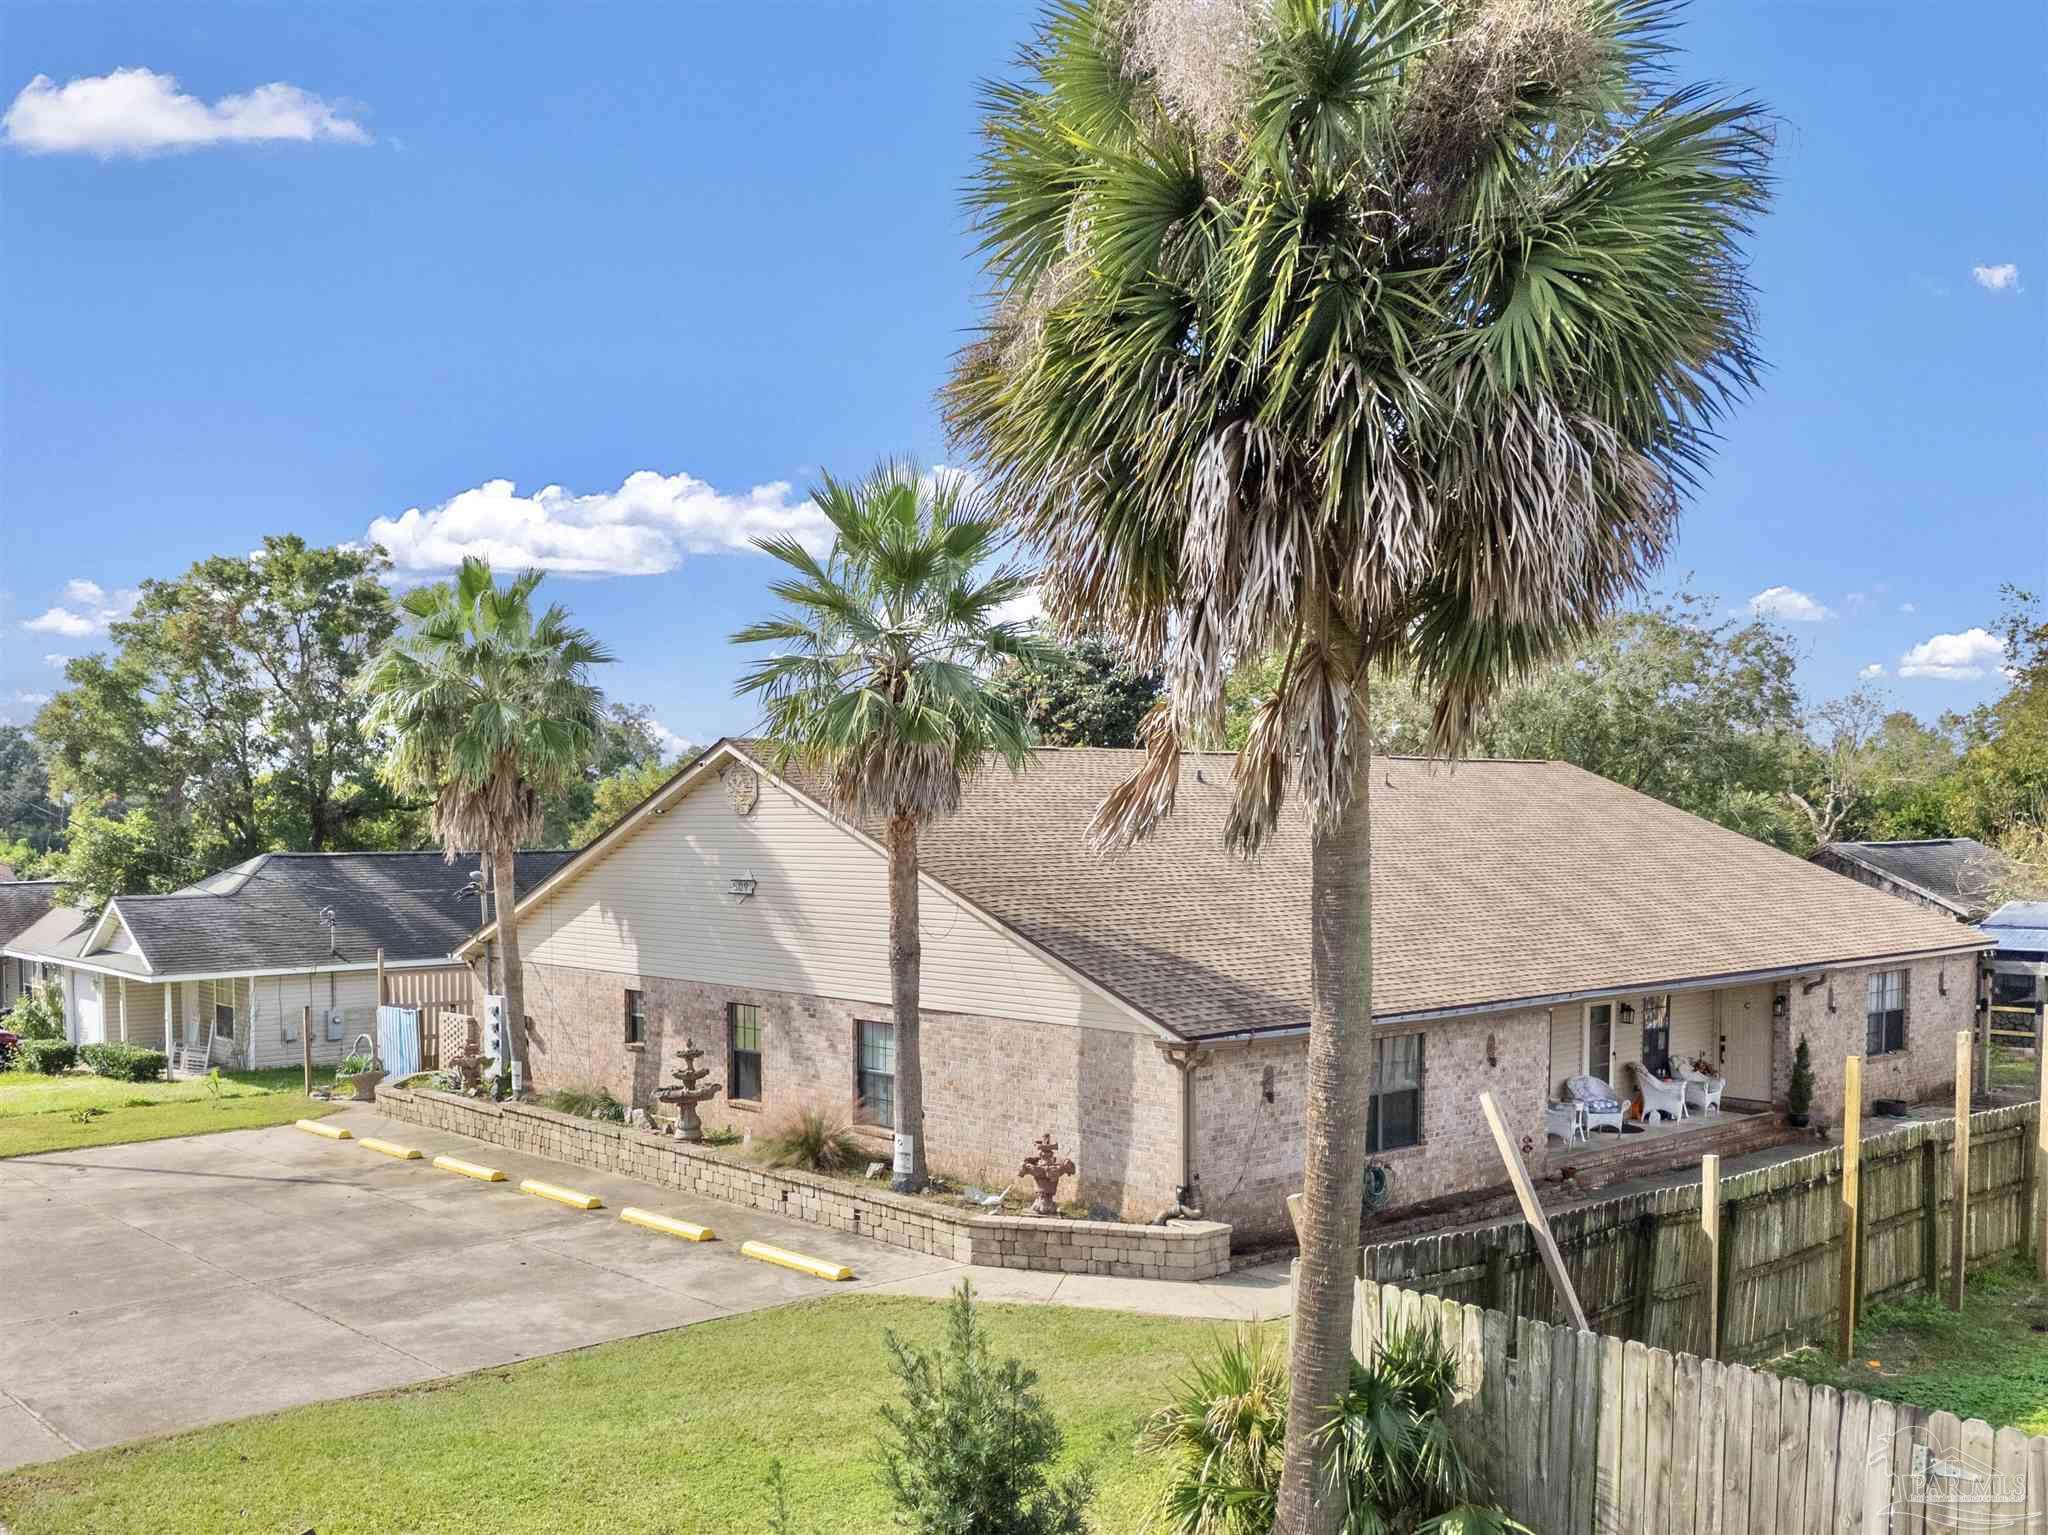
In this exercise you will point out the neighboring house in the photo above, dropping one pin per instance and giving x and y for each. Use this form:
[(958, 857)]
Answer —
[(2019, 965), (1956, 875), (223, 971), (22, 902), (1149, 1007)]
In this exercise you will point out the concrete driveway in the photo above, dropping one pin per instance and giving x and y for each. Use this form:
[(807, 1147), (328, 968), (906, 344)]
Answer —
[(165, 1285)]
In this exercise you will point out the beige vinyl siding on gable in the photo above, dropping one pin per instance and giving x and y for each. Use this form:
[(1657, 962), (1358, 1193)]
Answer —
[(817, 922)]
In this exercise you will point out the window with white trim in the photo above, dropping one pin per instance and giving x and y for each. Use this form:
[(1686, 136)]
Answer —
[(1395, 1117), (1884, 1012)]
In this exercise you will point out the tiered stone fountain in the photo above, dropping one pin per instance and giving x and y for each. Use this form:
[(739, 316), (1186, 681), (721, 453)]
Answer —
[(688, 1093)]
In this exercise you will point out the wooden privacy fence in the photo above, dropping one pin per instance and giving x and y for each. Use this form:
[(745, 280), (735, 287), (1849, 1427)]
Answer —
[(1578, 1433), (1641, 1264)]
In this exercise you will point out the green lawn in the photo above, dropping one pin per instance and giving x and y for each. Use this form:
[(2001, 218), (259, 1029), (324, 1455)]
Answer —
[(1985, 1361), (667, 1435), (40, 1113)]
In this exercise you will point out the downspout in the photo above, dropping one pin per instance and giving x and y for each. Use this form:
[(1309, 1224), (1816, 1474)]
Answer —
[(1187, 1199)]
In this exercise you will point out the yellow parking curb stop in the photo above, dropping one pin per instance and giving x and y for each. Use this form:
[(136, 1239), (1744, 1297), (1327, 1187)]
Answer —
[(817, 1268), (574, 1198), (469, 1169), (332, 1132), (668, 1225), (390, 1148)]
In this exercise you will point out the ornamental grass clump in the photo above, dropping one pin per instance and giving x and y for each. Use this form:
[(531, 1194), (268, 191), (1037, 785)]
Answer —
[(813, 1138)]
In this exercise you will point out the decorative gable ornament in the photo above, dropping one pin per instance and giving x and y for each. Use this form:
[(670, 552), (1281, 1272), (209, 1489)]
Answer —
[(742, 787)]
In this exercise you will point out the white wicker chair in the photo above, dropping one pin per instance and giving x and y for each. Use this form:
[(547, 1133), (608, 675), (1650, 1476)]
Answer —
[(1563, 1121), (1703, 1092), (1601, 1103), (1659, 1096)]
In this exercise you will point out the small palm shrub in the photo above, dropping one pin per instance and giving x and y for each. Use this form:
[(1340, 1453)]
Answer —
[(1398, 1468), (972, 1445), (812, 1138)]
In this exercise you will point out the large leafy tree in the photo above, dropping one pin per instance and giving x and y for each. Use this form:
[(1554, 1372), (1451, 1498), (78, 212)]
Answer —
[(490, 709), (2000, 791), (878, 680), (1084, 696), (1371, 337), (630, 754), (30, 819), (226, 715)]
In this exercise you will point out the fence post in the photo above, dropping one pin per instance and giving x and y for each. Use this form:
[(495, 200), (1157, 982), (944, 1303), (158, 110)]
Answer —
[(1852, 1176), (2037, 1197), (1710, 1223), (1959, 1178), (306, 1044)]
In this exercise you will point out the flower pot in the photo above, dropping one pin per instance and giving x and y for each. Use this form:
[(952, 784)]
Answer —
[(1799, 1121), (363, 1085)]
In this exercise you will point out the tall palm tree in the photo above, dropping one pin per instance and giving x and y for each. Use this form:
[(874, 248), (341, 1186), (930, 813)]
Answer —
[(880, 681), (491, 710), (1368, 337)]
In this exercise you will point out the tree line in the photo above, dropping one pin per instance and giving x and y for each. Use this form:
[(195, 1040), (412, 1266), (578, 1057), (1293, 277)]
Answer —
[(1702, 712), (227, 718)]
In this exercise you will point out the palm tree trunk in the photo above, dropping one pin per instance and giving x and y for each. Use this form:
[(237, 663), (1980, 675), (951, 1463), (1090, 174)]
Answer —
[(906, 959), (1340, 1069), (505, 892)]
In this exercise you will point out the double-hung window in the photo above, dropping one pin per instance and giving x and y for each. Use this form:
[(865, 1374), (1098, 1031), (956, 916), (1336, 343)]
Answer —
[(1885, 1012), (743, 1040), (223, 1020), (636, 1017), (1395, 1119), (875, 1071)]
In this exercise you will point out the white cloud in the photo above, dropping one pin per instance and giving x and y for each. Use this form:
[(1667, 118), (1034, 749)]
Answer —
[(1874, 669), (87, 608), (643, 528), (1855, 599), (35, 700), (1787, 606), (53, 659), (1954, 657), (1909, 607), (673, 746), (2003, 278), (140, 112), (1025, 608)]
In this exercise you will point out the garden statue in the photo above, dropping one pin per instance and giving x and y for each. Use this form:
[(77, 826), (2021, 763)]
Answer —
[(686, 1094), (1046, 1169)]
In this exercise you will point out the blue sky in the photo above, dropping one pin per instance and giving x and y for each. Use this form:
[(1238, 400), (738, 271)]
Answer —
[(718, 247)]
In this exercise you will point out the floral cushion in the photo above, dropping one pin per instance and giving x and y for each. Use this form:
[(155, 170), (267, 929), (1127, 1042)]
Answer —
[(1595, 1094)]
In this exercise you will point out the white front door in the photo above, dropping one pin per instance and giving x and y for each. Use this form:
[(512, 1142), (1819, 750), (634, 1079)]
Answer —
[(92, 1011), (1745, 1025)]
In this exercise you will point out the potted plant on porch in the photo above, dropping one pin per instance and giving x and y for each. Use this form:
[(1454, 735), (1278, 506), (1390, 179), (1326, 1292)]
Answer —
[(1799, 1095)]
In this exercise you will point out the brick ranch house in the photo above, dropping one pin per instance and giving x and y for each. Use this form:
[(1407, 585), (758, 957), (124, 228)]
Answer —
[(1150, 1007)]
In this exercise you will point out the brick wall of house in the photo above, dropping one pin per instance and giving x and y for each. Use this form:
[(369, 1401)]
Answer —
[(992, 1085), (1924, 1070), (1248, 1151)]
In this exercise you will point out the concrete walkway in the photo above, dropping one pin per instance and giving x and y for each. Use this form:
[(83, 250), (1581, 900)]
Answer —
[(169, 1284)]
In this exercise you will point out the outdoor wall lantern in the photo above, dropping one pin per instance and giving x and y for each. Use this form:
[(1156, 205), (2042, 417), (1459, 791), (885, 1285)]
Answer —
[(1941, 980), (741, 887), (1493, 1049), (1781, 1006), (1628, 1014)]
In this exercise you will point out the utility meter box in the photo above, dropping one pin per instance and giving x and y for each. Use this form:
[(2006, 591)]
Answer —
[(494, 1027)]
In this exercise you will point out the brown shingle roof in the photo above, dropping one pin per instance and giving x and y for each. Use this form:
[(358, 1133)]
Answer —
[(1495, 882)]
